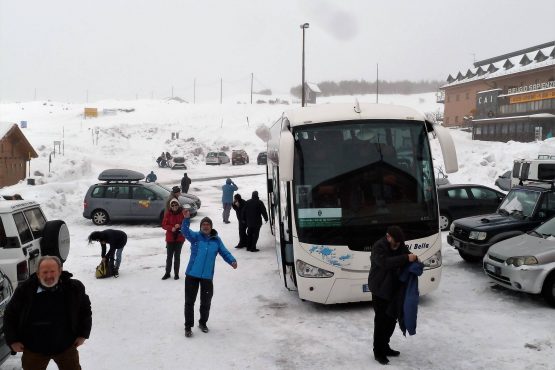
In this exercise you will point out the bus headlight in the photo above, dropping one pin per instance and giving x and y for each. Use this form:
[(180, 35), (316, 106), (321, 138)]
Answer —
[(309, 271), (433, 262), (478, 235)]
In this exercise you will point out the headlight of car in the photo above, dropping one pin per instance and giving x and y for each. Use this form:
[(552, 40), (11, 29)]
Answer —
[(477, 235), (433, 262), (521, 260), (452, 227), (309, 271)]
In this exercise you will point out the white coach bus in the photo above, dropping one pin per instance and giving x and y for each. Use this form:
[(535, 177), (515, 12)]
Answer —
[(338, 175)]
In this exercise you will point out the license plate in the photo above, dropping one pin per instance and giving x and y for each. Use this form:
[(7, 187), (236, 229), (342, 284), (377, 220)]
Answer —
[(456, 243), (365, 288), (490, 268)]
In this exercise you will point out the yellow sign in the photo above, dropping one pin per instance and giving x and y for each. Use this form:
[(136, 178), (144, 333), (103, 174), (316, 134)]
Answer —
[(144, 203), (91, 112), (532, 97)]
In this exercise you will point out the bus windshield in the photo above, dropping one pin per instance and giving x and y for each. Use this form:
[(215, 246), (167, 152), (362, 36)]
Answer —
[(352, 179)]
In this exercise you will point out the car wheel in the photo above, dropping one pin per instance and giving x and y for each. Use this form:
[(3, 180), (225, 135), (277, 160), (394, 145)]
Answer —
[(55, 240), (548, 290), (469, 258), (100, 217), (444, 221)]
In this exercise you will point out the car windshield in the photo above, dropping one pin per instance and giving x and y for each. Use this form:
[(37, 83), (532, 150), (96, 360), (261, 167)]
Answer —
[(520, 202), (159, 190), (547, 229), (211, 155)]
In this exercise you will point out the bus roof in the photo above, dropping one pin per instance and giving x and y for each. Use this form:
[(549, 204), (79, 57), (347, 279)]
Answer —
[(346, 112)]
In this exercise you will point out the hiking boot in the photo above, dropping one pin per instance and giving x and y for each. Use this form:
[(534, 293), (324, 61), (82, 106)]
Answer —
[(255, 250), (176, 277), (116, 273), (239, 247), (392, 352), (166, 276), (188, 332), (203, 328), (381, 359)]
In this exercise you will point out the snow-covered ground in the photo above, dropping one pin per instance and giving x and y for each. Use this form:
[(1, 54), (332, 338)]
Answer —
[(255, 323)]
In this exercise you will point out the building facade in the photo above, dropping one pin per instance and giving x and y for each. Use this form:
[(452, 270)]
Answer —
[(509, 97), (15, 151)]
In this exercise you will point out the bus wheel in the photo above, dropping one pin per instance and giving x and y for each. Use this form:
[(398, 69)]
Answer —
[(469, 258)]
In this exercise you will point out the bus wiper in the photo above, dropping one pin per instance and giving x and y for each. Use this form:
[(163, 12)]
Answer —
[(517, 212), (503, 211)]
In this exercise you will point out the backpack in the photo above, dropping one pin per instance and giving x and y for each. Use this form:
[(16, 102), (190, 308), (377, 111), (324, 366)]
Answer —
[(103, 270)]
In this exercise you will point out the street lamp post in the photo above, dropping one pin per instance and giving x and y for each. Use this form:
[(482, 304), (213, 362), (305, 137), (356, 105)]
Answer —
[(303, 26)]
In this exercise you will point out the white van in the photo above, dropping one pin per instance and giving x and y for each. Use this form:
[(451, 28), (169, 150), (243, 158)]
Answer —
[(25, 235), (541, 170)]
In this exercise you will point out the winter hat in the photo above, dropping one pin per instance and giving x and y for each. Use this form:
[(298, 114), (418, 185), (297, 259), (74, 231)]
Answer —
[(174, 201), (206, 219), (176, 189)]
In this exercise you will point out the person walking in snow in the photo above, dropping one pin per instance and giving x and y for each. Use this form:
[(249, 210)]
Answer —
[(227, 198), (389, 255), (205, 246), (252, 215), (185, 183), (174, 238), (238, 207), (151, 177), (117, 240)]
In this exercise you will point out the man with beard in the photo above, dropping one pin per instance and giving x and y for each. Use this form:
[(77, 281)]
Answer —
[(48, 317)]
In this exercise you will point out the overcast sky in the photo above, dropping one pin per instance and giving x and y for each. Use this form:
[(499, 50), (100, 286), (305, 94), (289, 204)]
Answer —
[(124, 49)]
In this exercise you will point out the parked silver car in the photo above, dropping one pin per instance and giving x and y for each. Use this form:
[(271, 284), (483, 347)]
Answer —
[(124, 197), (217, 158), (525, 263)]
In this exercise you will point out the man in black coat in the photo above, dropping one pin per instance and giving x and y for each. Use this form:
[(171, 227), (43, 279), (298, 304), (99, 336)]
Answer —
[(48, 317), (239, 205), (389, 255), (185, 183), (117, 240), (254, 210)]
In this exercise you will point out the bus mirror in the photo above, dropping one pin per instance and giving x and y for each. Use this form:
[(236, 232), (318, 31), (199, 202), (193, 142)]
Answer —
[(286, 147), (447, 149)]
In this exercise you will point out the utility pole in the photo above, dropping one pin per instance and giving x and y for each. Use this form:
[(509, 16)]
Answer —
[(377, 84), (221, 89), (194, 91), (303, 26), (252, 77)]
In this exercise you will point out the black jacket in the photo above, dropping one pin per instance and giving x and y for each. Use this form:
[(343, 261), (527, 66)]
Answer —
[(239, 209), (117, 240), (185, 182), (385, 268), (254, 209), (78, 305)]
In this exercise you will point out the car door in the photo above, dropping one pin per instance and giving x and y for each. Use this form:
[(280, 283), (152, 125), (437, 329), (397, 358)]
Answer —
[(460, 203), (222, 158), (486, 200), (26, 240), (146, 204)]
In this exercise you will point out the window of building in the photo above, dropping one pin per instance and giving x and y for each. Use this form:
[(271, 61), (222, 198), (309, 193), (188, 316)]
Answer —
[(479, 130)]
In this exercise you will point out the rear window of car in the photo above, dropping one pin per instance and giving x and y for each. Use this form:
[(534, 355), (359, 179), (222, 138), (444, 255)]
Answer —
[(98, 192), (23, 230), (36, 221), (212, 154)]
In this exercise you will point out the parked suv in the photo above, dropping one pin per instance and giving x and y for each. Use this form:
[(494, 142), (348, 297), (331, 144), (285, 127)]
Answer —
[(523, 209), (262, 158), (25, 235), (122, 196), (239, 157)]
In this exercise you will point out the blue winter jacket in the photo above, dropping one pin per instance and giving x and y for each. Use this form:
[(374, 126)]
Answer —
[(204, 250), (227, 191), (409, 276)]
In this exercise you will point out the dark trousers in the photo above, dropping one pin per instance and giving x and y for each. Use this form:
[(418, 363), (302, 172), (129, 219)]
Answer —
[(206, 292), (252, 236), (174, 253), (243, 241), (67, 360), (384, 325)]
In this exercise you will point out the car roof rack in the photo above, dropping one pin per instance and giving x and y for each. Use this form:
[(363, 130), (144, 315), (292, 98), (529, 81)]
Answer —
[(120, 175)]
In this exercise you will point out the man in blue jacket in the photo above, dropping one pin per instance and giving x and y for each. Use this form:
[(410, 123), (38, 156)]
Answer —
[(227, 198), (389, 255), (205, 246)]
